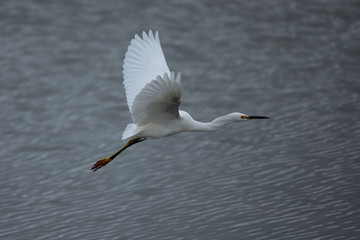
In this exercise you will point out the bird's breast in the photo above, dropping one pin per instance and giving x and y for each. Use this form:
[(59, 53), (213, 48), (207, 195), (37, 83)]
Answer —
[(159, 130)]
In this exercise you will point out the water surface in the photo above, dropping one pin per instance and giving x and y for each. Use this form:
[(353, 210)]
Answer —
[(63, 107)]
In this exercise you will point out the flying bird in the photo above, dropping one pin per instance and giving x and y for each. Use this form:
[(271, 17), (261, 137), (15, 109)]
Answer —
[(153, 96)]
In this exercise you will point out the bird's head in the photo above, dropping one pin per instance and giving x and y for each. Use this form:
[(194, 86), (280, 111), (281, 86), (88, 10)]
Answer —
[(243, 117)]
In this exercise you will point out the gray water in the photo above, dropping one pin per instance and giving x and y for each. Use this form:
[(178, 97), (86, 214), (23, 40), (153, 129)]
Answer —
[(63, 107)]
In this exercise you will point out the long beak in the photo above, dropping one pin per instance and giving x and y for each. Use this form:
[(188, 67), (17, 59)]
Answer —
[(256, 117)]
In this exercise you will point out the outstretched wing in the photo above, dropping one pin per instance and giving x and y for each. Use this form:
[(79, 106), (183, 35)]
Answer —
[(144, 61), (158, 101)]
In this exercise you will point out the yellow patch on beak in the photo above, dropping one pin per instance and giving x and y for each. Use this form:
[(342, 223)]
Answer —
[(244, 117)]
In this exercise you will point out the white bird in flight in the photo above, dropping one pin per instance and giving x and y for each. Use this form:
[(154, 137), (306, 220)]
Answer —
[(153, 95)]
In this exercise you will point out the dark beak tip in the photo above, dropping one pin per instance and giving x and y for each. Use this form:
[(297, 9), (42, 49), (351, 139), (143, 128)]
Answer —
[(258, 117)]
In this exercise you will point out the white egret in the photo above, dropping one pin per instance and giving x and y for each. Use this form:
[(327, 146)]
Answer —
[(153, 95)]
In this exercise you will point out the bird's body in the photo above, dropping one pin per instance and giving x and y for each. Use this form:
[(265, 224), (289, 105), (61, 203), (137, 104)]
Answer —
[(161, 129), (153, 95), (185, 123)]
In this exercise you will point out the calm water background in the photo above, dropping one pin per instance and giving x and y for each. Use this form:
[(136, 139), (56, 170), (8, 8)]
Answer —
[(63, 107)]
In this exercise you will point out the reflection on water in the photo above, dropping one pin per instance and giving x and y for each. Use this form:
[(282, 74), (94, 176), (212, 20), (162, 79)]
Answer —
[(295, 176)]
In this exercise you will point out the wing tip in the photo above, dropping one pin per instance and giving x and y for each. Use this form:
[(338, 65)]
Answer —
[(144, 35), (150, 36)]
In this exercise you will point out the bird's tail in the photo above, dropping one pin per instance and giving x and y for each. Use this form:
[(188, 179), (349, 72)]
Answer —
[(130, 130)]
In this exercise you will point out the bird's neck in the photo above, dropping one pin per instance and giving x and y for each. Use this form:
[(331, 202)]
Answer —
[(213, 125)]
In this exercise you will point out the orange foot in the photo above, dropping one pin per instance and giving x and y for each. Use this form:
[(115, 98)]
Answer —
[(99, 164)]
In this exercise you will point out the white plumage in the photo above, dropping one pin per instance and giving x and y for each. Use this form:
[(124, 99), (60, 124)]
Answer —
[(144, 62), (153, 96), (152, 92)]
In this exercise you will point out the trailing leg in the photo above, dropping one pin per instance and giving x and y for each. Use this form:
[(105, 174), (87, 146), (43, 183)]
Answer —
[(102, 162)]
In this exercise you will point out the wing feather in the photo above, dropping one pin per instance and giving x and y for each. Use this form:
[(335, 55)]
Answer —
[(144, 61), (159, 100)]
